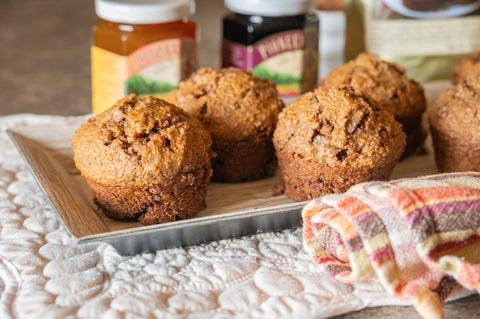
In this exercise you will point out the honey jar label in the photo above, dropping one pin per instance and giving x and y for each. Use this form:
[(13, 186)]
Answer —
[(282, 58), (154, 69)]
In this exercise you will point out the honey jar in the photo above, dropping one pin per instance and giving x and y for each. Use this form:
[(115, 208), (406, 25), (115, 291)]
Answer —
[(144, 47)]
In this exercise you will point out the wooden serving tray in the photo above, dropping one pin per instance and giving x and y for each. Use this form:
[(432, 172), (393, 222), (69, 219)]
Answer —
[(233, 210)]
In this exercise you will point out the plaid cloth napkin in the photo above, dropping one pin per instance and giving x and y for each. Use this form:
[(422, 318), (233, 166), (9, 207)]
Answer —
[(419, 237)]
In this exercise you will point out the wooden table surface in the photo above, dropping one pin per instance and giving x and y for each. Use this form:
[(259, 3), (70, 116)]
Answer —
[(45, 69)]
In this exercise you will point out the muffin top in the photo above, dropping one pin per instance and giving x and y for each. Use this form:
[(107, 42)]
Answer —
[(468, 68), (233, 104), (383, 83), (457, 110), (139, 142), (334, 126)]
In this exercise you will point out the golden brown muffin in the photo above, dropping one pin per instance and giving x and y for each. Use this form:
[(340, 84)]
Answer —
[(331, 139), (468, 68), (386, 85), (145, 159), (455, 126), (240, 110)]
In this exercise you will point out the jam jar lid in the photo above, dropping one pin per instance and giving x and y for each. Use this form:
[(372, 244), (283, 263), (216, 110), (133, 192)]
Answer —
[(144, 11), (270, 8)]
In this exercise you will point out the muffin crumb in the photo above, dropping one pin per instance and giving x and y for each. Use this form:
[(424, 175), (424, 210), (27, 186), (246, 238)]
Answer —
[(145, 159), (454, 120), (240, 110), (385, 85), (331, 139)]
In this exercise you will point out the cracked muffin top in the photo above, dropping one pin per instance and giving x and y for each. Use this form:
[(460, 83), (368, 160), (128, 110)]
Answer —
[(139, 142), (383, 83), (334, 126), (468, 68), (233, 104), (457, 110)]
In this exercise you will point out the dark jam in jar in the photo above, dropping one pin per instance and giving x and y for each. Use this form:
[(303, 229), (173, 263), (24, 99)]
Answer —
[(272, 44)]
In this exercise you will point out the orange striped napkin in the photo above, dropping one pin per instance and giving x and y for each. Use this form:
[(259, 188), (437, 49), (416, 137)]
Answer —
[(419, 237)]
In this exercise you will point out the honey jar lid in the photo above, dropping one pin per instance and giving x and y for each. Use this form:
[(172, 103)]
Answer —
[(270, 8), (144, 11)]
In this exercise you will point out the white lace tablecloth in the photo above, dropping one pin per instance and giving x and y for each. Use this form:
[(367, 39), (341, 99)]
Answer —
[(45, 276)]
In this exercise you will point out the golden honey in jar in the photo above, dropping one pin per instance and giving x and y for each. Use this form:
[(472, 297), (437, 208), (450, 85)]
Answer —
[(144, 47)]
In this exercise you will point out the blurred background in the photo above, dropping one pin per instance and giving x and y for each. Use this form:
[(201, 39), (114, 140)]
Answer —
[(45, 55)]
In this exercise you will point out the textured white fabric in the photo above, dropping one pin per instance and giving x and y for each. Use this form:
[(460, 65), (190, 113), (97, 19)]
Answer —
[(259, 276)]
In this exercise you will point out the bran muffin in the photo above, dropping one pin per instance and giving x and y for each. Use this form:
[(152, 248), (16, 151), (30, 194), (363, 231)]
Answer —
[(146, 159), (455, 126), (386, 85), (240, 110), (468, 68), (331, 139)]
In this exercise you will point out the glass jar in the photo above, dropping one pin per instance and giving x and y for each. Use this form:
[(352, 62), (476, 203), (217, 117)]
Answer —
[(275, 39), (144, 47)]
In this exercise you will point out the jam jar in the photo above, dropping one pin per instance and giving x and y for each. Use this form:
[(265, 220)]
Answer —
[(274, 39), (144, 47)]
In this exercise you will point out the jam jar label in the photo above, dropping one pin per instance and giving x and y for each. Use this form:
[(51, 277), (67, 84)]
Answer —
[(282, 58), (154, 69)]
